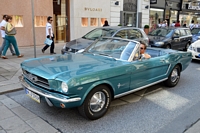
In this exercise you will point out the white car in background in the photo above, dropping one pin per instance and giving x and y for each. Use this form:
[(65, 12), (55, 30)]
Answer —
[(194, 48)]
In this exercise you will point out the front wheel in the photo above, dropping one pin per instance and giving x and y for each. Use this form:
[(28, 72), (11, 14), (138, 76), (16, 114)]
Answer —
[(96, 103), (174, 77), (187, 46)]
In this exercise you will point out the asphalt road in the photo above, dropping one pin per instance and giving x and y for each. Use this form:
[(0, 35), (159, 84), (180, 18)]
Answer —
[(159, 110)]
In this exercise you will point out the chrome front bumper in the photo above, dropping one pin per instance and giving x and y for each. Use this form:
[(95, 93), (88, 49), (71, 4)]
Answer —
[(63, 100)]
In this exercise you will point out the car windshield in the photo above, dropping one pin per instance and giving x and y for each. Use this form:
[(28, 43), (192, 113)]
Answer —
[(160, 32), (195, 31), (116, 48), (96, 33)]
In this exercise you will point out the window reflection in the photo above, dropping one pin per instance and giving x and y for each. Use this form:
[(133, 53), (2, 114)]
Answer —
[(17, 20)]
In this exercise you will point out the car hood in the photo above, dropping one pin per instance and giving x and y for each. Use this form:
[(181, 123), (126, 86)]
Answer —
[(196, 43), (79, 43), (64, 67), (156, 38)]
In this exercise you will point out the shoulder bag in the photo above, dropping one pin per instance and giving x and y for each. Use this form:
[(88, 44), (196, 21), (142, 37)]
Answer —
[(12, 32)]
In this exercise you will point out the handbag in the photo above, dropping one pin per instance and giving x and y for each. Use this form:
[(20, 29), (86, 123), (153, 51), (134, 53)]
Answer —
[(48, 41), (12, 32)]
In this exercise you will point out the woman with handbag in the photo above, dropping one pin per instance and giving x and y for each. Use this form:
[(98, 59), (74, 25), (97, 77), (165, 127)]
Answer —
[(10, 38)]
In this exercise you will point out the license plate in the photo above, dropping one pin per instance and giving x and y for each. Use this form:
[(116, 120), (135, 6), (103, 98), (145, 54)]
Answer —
[(32, 95)]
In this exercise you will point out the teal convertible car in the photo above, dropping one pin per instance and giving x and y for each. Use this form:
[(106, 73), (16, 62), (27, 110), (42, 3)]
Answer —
[(107, 69)]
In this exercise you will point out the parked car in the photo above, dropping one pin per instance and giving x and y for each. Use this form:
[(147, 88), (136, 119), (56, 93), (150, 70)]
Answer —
[(106, 70), (195, 34), (116, 31), (174, 38), (194, 48)]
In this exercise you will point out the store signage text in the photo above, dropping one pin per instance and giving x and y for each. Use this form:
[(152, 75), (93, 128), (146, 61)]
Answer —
[(93, 9), (194, 7), (153, 1)]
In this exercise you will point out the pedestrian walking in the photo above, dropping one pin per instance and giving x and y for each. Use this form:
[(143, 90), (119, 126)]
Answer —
[(50, 35), (185, 24), (192, 25), (10, 38), (177, 24), (2, 26), (173, 24), (163, 24), (105, 23), (196, 25)]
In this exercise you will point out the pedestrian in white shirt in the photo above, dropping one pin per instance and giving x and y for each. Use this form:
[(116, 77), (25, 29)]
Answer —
[(173, 24), (196, 25), (3, 34), (50, 35), (163, 24), (192, 25)]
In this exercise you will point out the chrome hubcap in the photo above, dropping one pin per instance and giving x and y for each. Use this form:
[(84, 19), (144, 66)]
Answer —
[(174, 75), (97, 101)]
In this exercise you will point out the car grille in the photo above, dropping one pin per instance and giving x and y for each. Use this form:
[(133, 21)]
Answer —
[(198, 49), (71, 50), (36, 80)]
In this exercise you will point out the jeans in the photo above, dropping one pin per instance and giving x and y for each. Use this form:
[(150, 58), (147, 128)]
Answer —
[(3, 46), (52, 46), (9, 40)]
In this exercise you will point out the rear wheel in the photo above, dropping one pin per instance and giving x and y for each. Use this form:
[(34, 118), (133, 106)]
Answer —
[(96, 103), (168, 46), (174, 77)]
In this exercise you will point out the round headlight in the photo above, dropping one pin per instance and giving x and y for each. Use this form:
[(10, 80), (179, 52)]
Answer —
[(64, 86)]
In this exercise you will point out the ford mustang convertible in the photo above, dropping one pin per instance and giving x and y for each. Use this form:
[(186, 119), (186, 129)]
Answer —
[(107, 69)]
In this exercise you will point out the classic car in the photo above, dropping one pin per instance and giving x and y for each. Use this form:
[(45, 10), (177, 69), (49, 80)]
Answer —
[(175, 38), (79, 44), (194, 48), (106, 70)]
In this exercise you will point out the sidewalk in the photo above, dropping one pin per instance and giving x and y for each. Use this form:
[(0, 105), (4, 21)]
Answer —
[(10, 68), (14, 118)]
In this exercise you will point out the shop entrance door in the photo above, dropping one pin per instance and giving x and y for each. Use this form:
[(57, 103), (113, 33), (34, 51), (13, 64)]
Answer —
[(60, 28), (61, 23), (128, 18)]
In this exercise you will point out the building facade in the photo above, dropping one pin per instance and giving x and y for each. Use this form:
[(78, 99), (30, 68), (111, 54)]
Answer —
[(21, 12), (72, 18)]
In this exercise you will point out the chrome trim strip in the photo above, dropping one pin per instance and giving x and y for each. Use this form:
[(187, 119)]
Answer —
[(21, 79), (140, 88)]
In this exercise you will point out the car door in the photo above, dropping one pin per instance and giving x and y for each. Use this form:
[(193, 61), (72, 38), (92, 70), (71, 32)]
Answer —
[(175, 39), (134, 34), (148, 71), (122, 34), (183, 39)]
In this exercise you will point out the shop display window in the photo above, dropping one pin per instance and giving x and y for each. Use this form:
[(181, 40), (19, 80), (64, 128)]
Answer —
[(17, 20), (84, 22), (102, 21), (94, 22), (156, 16), (40, 21)]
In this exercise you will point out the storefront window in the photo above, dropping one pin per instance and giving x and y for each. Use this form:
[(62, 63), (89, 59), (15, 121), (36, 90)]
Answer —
[(17, 20), (156, 16), (94, 22), (84, 22), (40, 21), (173, 17), (102, 21)]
